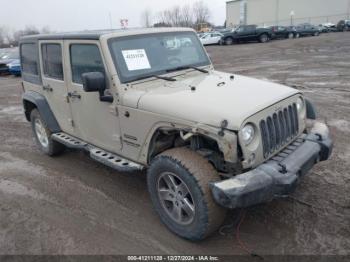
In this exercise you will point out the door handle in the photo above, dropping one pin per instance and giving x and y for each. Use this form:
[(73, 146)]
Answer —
[(74, 95), (47, 88)]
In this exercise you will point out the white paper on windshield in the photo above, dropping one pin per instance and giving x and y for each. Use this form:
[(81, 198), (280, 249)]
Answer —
[(136, 59)]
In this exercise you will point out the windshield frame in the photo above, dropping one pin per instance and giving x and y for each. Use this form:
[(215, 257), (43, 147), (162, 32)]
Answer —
[(124, 80)]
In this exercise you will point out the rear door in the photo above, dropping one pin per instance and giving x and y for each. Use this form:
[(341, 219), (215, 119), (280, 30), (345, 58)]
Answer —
[(215, 38), (249, 32), (96, 122), (54, 85)]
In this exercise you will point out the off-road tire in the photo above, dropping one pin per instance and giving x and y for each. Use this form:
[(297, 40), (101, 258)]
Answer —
[(264, 38), (197, 173), (52, 148)]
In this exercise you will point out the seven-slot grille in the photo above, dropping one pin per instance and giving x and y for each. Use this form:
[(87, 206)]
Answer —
[(279, 129)]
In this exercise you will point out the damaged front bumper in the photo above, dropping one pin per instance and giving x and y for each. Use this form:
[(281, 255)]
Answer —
[(279, 176)]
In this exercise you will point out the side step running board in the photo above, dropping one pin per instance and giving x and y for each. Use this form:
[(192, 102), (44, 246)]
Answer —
[(109, 159), (69, 141), (113, 161)]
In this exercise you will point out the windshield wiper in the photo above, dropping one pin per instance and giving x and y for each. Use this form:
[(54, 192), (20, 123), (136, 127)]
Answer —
[(156, 76), (187, 67)]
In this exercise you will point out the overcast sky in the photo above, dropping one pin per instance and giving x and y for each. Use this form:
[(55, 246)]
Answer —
[(72, 15)]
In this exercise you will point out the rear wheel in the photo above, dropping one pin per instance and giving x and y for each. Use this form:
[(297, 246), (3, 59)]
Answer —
[(43, 135), (290, 36), (264, 38), (316, 34), (178, 182), (297, 35)]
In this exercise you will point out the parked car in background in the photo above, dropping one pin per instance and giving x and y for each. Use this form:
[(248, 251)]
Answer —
[(7, 57), (343, 25), (307, 30), (200, 34), (328, 27), (281, 32), (15, 67), (213, 38), (245, 33), (226, 30)]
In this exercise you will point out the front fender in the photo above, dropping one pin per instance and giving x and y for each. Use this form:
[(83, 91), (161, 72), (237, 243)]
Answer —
[(228, 143)]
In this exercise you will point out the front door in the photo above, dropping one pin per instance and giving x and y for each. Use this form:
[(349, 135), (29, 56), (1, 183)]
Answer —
[(54, 83), (96, 122)]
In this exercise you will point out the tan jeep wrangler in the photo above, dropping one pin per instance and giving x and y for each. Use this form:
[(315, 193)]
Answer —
[(150, 98)]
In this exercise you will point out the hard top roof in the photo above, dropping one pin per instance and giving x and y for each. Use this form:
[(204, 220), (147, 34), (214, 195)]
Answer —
[(96, 34)]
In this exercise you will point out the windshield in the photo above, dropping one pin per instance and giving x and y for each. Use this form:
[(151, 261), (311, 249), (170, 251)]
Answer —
[(139, 56)]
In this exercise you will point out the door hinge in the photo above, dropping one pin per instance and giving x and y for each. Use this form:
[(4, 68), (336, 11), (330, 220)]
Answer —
[(71, 122), (114, 110)]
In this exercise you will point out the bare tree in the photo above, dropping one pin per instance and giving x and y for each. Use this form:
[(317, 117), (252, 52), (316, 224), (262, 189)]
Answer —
[(201, 12), (2, 37), (186, 16), (28, 30), (45, 30), (5, 36), (146, 18), (164, 17), (175, 16)]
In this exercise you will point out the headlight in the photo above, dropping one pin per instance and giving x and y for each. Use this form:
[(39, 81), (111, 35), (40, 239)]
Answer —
[(248, 133), (300, 104)]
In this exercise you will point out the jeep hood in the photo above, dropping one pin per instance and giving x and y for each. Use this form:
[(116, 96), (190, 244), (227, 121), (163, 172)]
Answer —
[(211, 98)]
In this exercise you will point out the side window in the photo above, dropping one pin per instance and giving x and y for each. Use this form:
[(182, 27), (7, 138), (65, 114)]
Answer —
[(29, 59), (52, 60), (85, 58)]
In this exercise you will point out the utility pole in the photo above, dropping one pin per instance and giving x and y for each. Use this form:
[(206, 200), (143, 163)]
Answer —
[(110, 21), (292, 14), (277, 11)]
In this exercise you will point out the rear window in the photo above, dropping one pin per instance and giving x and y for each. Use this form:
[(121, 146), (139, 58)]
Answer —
[(29, 59), (52, 61), (30, 63)]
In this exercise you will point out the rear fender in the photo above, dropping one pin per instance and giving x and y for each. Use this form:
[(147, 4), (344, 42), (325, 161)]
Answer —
[(33, 100)]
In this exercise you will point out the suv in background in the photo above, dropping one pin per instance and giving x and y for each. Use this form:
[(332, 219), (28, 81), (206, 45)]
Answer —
[(245, 33), (151, 99), (283, 32), (343, 25), (307, 30)]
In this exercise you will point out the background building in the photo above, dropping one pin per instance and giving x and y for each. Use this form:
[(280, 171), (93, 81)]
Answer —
[(286, 12)]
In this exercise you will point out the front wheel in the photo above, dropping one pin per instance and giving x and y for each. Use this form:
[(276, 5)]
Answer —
[(178, 182), (297, 35), (228, 41), (290, 36)]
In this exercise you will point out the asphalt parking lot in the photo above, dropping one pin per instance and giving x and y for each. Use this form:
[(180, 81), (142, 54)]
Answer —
[(73, 205)]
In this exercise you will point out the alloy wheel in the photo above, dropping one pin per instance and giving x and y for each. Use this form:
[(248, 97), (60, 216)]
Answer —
[(176, 198), (41, 133)]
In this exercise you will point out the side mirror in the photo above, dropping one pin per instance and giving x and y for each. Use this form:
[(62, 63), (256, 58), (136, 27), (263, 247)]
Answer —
[(96, 82)]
